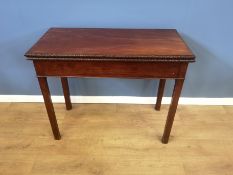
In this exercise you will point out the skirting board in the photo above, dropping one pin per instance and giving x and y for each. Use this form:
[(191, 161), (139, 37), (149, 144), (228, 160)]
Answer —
[(118, 99)]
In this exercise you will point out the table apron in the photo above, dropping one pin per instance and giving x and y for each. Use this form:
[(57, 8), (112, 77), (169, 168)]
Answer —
[(110, 69)]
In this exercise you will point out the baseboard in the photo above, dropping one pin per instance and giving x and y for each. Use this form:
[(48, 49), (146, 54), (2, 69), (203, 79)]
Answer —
[(117, 99)]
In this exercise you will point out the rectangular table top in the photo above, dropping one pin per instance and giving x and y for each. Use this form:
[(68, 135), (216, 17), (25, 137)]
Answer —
[(111, 44)]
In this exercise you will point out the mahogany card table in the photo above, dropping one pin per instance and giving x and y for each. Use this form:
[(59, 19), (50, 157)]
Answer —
[(113, 53)]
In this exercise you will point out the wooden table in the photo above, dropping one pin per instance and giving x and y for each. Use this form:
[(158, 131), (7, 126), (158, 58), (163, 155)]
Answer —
[(118, 53)]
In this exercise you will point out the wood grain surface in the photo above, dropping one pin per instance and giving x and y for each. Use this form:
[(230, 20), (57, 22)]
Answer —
[(94, 43), (116, 139)]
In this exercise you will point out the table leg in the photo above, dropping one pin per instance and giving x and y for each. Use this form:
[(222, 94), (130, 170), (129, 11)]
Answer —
[(49, 106), (172, 110), (66, 92), (160, 94)]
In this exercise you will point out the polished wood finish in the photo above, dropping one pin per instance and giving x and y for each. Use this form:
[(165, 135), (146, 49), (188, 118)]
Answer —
[(49, 106), (110, 44), (110, 69), (66, 92), (160, 94), (113, 53), (119, 139)]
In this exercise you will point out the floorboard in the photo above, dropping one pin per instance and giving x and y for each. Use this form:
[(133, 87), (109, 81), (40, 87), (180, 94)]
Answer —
[(115, 139)]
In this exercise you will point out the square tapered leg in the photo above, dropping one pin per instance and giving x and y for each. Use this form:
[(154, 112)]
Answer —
[(49, 106), (160, 94), (66, 92), (172, 110)]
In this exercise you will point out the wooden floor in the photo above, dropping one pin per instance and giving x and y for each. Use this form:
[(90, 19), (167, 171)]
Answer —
[(115, 139)]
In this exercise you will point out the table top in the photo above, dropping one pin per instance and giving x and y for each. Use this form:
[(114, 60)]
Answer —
[(111, 44)]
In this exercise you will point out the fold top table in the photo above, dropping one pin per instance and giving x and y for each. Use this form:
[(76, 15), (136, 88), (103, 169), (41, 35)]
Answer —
[(111, 44), (111, 53)]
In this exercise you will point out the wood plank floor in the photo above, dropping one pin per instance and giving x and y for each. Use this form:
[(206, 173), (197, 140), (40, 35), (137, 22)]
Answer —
[(115, 139)]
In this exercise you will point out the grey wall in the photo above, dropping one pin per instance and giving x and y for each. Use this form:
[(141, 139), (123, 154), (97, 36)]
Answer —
[(207, 27)]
